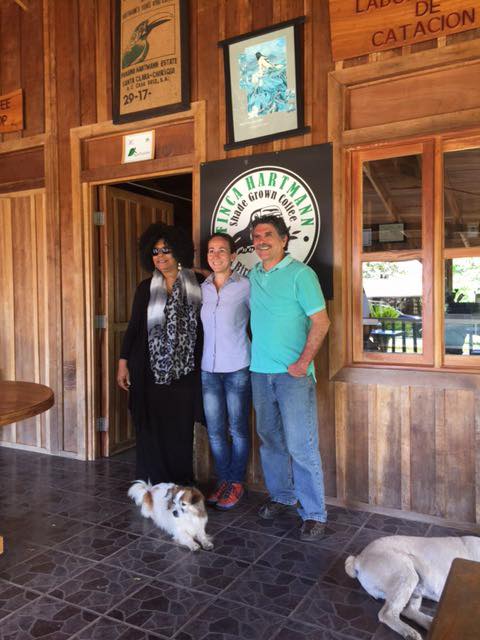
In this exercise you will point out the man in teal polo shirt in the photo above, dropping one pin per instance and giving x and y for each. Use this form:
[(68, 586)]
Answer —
[(289, 322)]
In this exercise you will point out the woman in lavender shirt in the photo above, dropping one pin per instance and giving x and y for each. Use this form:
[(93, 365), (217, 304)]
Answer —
[(225, 370)]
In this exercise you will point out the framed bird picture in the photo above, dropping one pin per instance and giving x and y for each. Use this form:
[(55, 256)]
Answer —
[(264, 84), (150, 59)]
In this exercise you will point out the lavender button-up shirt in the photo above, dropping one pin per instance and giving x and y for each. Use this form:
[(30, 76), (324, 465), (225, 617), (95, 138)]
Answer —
[(225, 315)]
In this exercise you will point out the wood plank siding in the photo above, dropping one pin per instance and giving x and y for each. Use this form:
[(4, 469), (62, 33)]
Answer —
[(388, 439)]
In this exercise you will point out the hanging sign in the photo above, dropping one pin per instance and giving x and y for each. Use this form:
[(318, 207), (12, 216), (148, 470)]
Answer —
[(151, 59), (294, 184), (359, 27), (138, 146), (11, 111)]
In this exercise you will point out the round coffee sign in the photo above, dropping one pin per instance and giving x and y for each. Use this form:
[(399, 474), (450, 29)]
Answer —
[(265, 191)]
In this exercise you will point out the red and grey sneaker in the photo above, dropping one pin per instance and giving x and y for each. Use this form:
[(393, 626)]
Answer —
[(218, 492), (231, 496)]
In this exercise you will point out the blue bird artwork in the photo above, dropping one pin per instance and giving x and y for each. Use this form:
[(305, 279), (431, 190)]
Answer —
[(137, 48)]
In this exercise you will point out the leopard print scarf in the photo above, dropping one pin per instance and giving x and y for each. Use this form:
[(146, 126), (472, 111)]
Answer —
[(172, 326)]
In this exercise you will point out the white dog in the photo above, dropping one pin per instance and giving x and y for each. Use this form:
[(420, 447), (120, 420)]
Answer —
[(180, 511), (404, 569)]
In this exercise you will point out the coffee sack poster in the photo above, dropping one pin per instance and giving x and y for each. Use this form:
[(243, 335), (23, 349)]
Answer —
[(151, 58), (295, 185)]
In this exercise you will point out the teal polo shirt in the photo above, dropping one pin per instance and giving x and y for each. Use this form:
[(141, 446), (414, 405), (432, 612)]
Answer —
[(281, 300)]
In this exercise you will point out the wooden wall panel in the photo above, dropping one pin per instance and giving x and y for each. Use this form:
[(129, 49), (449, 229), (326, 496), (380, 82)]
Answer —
[(326, 421), (21, 170), (25, 304), (64, 19), (385, 102), (21, 38), (25, 283), (460, 455), (422, 450), (86, 27), (10, 69), (357, 455), (170, 141), (32, 70)]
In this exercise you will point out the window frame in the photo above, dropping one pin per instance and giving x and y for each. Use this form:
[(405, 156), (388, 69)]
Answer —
[(433, 251), (450, 144), (425, 148)]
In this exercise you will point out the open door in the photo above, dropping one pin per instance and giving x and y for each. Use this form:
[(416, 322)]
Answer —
[(125, 216)]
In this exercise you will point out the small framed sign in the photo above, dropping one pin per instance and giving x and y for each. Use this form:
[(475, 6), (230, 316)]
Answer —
[(138, 146), (264, 84), (11, 111), (391, 232), (151, 59)]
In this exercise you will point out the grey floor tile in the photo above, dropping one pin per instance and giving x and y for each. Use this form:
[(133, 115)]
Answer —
[(100, 587), (222, 621), (301, 631), (396, 526), (241, 544), (204, 571), (301, 559), (13, 598), (45, 619), (45, 570), (351, 613), (347, 516), (131, 520), (160, 608), (268, 589), (106, 629), (97, 543), (148, 557)]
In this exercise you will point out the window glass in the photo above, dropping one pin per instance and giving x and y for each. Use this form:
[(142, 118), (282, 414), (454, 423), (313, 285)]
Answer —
[(392, 306), (461, 175), (462, 306), (392, 204)]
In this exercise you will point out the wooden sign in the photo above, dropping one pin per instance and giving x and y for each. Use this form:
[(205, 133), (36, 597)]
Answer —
[(364, 26), (151, 59), (11, 111)]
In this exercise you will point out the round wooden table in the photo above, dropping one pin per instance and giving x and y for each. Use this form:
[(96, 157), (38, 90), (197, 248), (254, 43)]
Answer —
[(20, 400)]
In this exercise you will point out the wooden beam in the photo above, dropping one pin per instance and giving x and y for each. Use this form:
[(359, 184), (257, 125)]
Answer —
[(381, 191), (21, 4)]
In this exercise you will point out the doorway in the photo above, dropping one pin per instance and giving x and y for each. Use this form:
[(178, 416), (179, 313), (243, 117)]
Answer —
[(124, 210)]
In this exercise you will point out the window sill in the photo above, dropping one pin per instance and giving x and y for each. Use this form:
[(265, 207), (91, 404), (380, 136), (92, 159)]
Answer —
[(396, 375)]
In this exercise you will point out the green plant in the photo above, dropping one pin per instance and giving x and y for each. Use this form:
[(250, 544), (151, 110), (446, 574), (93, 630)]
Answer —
[(383, 311)]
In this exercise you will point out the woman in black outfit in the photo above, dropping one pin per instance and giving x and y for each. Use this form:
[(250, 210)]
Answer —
[(160, 357)]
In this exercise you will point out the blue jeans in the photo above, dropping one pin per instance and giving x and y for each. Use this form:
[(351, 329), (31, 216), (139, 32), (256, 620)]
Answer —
[(226, 402), (286, 410)]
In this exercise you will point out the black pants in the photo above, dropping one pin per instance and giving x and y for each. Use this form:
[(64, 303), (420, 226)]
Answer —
[(165, 433)]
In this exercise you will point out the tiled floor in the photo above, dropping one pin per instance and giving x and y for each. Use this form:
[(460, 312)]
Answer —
[(81, 563)]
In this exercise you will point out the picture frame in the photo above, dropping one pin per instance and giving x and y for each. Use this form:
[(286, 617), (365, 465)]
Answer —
[(264, 84), (392, 232), (151, 59)]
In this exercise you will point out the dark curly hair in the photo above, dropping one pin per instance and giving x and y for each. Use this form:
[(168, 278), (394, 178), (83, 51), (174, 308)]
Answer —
[(276, 221), (176, 238)]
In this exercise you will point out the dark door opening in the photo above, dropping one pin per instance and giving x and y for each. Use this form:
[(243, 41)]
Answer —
[(126, 209)]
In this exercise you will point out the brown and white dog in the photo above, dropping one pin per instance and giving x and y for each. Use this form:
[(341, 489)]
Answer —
[(180, 511), (404, 569)]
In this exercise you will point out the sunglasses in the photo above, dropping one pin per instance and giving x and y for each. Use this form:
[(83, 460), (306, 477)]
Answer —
[(157, 250)]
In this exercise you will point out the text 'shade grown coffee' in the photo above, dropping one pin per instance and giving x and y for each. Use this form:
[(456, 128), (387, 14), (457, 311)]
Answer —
[(267, 190), (295, 185)]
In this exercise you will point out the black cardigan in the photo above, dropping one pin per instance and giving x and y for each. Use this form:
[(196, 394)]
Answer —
[(135, 351)]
